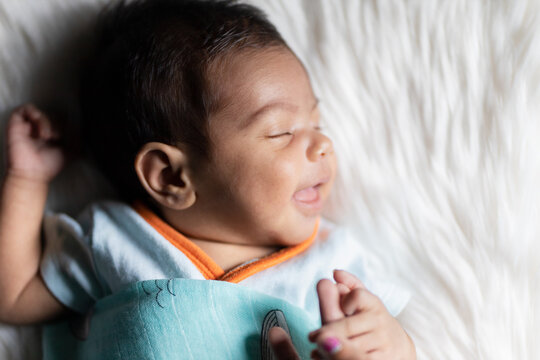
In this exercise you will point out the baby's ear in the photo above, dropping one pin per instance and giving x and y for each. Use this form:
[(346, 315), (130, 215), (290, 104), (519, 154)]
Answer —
[(163, 171)]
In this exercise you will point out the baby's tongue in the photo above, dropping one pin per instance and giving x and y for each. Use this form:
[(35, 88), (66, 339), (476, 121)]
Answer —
[(306, 195)]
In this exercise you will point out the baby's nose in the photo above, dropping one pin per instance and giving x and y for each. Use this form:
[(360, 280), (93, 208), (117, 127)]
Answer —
[(321, 146)]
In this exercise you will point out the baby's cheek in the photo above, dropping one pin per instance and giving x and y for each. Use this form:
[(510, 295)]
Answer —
[(285, 177), (275, 184)]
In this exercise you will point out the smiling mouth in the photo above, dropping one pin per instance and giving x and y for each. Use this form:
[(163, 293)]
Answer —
[(308, 195), (309, 198)]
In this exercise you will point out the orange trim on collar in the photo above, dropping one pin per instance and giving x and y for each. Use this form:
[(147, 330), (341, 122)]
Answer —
[(243, 272), (195, 254), (205, 264)]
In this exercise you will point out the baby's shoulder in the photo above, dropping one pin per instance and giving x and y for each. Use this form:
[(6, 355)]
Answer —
[(103, 214), (105, 211), (106, 206)]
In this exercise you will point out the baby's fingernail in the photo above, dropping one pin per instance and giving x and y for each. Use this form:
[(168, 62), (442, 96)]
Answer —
[(331, 345), (312, 335)]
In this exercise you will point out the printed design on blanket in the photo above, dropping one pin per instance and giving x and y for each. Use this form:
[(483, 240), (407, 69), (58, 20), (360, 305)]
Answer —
[(79, 324), (160, 289)]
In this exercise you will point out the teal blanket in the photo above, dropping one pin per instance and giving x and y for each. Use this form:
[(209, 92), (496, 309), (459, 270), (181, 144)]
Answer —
[(175, 319)]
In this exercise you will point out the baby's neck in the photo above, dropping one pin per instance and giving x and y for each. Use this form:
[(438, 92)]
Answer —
[(229, 256)]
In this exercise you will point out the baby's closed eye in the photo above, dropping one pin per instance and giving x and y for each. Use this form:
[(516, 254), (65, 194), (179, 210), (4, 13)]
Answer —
[(280, 134)]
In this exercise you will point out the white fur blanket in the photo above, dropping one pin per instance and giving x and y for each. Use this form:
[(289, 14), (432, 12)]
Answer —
[(434, 108)]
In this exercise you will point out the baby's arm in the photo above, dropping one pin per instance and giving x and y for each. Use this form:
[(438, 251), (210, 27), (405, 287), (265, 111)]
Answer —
[(33, 160), (356, 325)]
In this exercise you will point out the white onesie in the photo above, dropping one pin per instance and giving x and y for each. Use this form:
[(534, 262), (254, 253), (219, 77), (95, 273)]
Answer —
[(112, 245)]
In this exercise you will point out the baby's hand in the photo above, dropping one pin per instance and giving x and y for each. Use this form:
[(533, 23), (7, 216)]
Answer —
[(32, 146), (356, 325)]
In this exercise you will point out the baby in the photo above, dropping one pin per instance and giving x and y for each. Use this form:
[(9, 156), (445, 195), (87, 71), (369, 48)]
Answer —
[(207, 124)]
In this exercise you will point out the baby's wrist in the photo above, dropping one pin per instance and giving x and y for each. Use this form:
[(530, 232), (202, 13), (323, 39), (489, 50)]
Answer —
[(23, 179)]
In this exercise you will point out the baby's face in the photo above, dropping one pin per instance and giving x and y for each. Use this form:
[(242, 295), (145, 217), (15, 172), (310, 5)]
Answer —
[(271, 168)]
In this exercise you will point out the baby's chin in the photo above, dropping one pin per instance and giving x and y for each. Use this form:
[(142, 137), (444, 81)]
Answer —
[(298, 234)]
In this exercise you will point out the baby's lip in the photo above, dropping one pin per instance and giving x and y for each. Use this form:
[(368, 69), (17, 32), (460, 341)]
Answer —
[(315, 184), (310, 194), (307, 195)]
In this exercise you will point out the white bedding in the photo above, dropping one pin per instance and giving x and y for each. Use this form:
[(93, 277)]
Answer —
[(434, 108)]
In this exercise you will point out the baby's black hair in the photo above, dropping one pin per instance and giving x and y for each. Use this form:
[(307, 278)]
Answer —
[(148, 79)]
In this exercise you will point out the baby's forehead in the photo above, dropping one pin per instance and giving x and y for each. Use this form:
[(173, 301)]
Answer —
[(256, 75)]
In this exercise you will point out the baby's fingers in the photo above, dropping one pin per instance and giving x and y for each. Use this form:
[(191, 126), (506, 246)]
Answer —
[(329, 301), (282, 345), (42, 127), (37, 123), (349, 280), (346, 328), (358, 300), (335, 348), (31, 111)]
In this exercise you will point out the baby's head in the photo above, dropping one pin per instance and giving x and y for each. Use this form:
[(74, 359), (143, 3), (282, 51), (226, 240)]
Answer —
[(201, 108)]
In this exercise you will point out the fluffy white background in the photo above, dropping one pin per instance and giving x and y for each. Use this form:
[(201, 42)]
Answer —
[(434, 108)]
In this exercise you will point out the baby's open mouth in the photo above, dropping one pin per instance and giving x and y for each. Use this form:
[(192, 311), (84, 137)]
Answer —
[(308, 195)]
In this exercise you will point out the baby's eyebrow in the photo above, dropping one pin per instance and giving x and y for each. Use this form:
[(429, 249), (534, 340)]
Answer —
[(278, 105)]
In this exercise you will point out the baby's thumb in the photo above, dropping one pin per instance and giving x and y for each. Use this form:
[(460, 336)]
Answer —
[(282, 344)]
